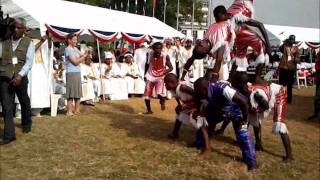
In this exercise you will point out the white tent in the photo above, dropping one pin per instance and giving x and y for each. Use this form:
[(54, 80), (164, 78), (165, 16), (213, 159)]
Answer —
[(280, 33), (80, 16)]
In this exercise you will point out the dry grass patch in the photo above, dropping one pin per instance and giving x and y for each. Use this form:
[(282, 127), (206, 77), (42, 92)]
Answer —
[(114, 141)]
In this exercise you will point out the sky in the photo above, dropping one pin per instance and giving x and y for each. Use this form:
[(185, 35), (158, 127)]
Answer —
[(300, 13)]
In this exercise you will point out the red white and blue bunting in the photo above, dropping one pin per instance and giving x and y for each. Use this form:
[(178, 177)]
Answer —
[(61, 32), (133, 38), (313, 45), (156, 38), (103, 36)]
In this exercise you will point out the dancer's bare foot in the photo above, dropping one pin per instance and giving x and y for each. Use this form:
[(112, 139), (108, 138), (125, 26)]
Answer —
[(287, 159), (148, 112), (173, 136), (163, 107), (69, 114), (205, 154)]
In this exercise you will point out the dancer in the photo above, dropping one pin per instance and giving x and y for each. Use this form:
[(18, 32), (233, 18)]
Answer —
[(157, 67), (217, 42), (215, 98), (264, 98), (241, 13), (185, 103)]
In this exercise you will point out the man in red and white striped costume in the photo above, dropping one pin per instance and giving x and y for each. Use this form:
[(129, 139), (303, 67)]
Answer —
[(264, 99), (186, 106), (217, 42), (241, 13), (156, 69)]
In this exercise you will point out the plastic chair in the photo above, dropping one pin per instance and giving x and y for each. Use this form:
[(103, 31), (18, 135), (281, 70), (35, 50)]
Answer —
[(54, 104), (301, 75)]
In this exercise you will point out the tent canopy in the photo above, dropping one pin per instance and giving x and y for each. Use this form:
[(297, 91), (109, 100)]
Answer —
[(280, 33), (80, 16)]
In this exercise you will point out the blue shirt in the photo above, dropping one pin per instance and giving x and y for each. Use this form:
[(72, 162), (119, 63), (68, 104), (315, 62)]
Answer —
[(69, 66)]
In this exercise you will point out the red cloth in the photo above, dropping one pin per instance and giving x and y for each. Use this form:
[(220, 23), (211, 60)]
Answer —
[(280, 96), (219, 34), (303, 72), (317, 67), (238, 8), (247, 37), (158, 85), (157, 66)]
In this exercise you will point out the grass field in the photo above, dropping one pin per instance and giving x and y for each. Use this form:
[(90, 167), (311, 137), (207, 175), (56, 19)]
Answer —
[(114, 141)]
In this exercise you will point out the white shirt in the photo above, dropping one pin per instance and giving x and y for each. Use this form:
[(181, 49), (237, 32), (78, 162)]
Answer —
[(228, 93)]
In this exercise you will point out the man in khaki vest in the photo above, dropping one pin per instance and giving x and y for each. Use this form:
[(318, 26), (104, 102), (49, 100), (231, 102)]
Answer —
[(288, 64), (16, 55)]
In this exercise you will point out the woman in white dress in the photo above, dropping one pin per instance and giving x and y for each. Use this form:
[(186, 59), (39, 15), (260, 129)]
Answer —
[(87, 78), (119, 89), (134, 78), (106, 70)]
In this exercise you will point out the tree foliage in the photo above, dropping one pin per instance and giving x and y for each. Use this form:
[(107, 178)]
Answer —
[(144, 7)]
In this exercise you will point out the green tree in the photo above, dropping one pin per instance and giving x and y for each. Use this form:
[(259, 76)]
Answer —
[(146, 7), (185, 12)]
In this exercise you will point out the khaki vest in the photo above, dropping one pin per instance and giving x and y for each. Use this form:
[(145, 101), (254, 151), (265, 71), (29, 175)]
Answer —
[(7, 69)]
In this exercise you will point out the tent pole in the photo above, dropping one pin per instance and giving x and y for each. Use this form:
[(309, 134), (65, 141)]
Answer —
[(178, 12), (192, 22), (100, 66)]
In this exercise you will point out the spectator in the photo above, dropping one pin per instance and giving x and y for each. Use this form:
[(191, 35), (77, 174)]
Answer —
[(73, 74), (87, 81), (135, 83), (17, 56), (288, 65), (316, 113)]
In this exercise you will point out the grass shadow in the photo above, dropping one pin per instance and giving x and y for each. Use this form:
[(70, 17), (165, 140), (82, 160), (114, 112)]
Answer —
[(301, 109), (225, 139), (236, 158), (138, 126), (272, 153)]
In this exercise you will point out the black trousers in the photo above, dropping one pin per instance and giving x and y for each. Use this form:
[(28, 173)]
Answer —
[(7, 97), (286, 78)]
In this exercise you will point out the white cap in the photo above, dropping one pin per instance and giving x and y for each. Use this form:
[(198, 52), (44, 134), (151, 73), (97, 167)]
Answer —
[(156, 41), (108, 55), (128, 55)]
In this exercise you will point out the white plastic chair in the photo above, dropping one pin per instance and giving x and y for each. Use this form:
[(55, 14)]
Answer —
[(302, 77), (54, 104)]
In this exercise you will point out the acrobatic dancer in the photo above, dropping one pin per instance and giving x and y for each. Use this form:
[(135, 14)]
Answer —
[(185, 103), (241, 13), (213, 100), (217, 42), (264, 99), (157, 67)]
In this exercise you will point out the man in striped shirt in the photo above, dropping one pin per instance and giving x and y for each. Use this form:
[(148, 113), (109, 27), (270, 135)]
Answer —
[(217, 42), (264, 99)]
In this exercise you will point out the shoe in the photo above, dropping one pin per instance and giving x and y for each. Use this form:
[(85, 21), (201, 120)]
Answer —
[(7, 141), (26, 130)]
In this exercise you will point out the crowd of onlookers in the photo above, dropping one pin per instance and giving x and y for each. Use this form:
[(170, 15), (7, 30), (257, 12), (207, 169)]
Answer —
[(120, 73)]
